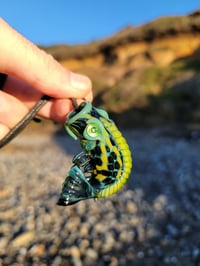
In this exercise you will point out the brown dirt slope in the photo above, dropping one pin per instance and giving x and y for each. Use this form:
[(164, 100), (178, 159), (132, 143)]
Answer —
[(143, 75)]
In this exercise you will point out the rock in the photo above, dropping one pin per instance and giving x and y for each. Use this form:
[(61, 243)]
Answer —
[(160, 202), (7, 214), (37, 250), (74, 252), (23, 239), (131, 207), (3, 243), (172, 230), (84, 244), (91, 256), (5, 192), (84, 230), (57, 261)]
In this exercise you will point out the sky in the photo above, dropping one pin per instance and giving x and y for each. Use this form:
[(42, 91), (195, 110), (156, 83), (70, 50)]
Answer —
[(51, 22)]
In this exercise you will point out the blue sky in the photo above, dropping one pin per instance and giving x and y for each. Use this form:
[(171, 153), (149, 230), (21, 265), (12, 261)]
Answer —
[(50, 22)]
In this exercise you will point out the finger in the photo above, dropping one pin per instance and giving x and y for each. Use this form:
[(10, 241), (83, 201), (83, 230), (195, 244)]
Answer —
[(56, 109), (22, 91), (27, 62), (11, 111), (3, 131), (27, 93)]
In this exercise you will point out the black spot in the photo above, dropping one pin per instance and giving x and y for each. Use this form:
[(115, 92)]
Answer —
[(105, 172), (107, 149), (111, 159), (112, 141), (113, 155), (117, 166), (97, 150), (98, 161), (92, 152), (109, 180), (111, 167), (115, 173), (94, 113), (95, 183)]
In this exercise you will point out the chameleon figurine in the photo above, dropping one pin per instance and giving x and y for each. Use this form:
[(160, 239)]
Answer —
[(105, 163)]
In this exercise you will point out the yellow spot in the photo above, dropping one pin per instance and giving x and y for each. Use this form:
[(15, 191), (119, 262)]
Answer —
[(104, 158), (118, 174), (100, 177), (103, 149), (102, 167)]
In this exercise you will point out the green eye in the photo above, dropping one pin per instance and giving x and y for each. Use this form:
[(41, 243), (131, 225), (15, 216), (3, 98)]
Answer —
[(92, 130)]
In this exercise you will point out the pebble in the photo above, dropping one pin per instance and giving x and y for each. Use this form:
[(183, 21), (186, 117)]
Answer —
[(23, 239), (91, 255), (74, 252), (37, 250), (154, 220)]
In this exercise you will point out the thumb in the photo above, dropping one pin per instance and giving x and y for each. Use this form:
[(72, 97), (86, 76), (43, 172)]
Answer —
[(22, 59)]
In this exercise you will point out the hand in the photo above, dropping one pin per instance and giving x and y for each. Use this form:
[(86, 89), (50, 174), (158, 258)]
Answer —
[(31, 74)]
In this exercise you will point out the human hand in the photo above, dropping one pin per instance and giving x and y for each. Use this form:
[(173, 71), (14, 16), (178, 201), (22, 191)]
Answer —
[(33, 73)]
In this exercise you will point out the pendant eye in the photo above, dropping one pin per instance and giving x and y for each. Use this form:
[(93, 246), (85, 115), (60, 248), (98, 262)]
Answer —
[(92, 130)]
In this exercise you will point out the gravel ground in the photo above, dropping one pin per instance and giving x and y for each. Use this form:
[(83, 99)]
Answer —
[(154, 220)]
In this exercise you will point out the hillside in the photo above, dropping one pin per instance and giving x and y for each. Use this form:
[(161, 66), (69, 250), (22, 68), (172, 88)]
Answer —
[(144, 75)]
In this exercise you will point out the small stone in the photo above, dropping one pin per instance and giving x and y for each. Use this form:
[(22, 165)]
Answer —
[(150, 252), (84, 229), (97, 244), (5, 192), (99, 228), (53, 250), (134, 221), (57, 261), (171, 260), (3, 242), (23, 239), (195, 252), (131, 207), (91, 254), (84, 245), (127, 236), (160, 202), (37, 250), (7, 214), (140, 255), (172, 230), (114, 261), (73, 224), (75, 252)]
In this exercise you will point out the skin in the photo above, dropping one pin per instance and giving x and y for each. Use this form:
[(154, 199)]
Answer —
[(31, 74)]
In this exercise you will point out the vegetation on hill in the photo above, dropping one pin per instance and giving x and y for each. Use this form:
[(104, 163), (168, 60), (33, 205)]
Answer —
[(146, 75)]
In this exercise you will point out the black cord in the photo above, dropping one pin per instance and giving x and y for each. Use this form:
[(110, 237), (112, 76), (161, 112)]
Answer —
[(27, 119), (24, 122)]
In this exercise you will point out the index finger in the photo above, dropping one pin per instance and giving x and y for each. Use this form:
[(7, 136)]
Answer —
[(24, 60)]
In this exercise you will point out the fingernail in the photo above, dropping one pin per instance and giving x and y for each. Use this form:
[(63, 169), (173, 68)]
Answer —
[(79, 81)]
